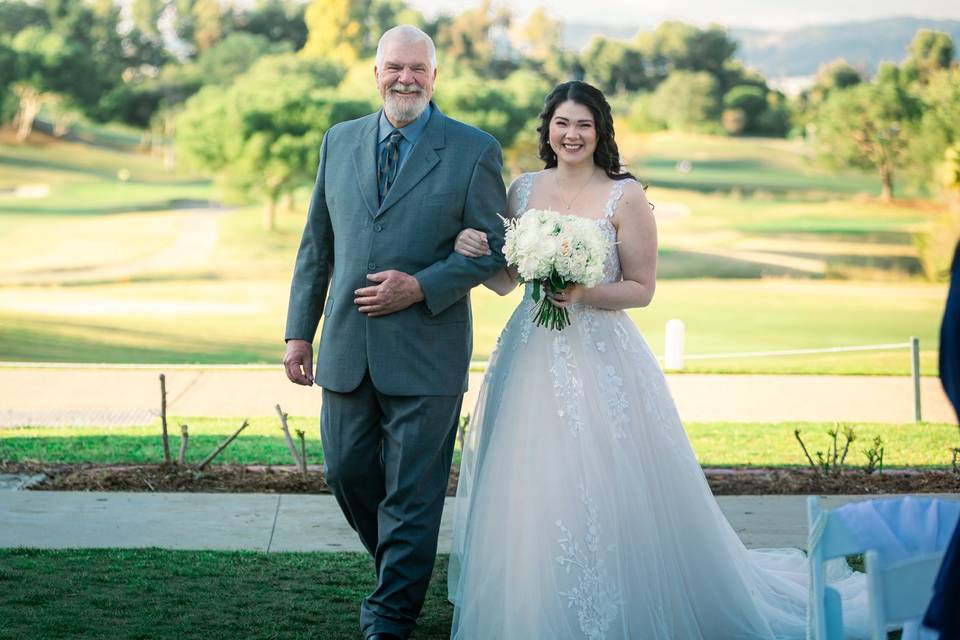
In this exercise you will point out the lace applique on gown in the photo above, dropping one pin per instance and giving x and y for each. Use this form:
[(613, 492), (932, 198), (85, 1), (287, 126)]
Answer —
[(582, 511)]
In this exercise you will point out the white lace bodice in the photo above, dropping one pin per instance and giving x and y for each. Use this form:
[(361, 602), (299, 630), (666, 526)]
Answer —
[(611, 267)]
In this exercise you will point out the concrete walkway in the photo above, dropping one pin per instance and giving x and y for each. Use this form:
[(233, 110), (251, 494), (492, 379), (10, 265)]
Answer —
[(50, 395), (266, 522)]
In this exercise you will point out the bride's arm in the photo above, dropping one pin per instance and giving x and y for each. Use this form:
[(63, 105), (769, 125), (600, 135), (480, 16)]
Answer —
[(637, 246), (473, 243)]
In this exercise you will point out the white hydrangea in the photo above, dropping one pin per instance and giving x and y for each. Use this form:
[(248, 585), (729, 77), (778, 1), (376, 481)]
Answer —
[(541, 242)]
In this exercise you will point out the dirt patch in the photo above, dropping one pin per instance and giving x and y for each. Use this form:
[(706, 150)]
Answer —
[(280, 479)]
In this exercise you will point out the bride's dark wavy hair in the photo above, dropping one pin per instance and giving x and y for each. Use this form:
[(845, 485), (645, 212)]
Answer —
[(607, 155)]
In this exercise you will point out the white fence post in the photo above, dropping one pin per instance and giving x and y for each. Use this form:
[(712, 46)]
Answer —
[(915, 370), (673, 345)]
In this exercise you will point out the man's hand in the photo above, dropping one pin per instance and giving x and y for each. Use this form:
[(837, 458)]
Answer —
[(298, 362), (394, 291)]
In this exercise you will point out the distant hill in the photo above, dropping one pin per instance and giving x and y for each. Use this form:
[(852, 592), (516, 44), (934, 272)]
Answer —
[(801, 51)]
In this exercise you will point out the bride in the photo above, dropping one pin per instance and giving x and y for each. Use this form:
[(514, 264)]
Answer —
[(581, 510)]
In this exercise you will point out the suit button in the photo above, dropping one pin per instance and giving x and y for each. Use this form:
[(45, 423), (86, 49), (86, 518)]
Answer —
[(378, 227), (371, 265)]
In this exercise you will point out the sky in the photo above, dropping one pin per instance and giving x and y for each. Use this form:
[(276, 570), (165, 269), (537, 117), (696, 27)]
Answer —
[(761, 14)]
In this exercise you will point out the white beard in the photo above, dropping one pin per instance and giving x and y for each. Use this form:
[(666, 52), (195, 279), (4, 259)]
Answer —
[(404, 109)]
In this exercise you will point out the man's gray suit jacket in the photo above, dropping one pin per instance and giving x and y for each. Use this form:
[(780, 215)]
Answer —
[(450, 181)]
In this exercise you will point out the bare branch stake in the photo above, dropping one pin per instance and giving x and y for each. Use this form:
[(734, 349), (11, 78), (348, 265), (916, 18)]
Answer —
[(163, 419), (184, 438), (289, 439), (796, 433), (222, 446), (303, 450)]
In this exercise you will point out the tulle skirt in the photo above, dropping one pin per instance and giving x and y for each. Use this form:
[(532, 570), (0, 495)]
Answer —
[(582, 511)]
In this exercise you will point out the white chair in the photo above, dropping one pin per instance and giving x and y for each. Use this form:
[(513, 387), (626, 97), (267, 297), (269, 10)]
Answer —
[(829, 539), (899, 591), (899, 528)]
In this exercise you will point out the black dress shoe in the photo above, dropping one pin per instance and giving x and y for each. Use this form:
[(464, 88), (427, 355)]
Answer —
[(383, 636)]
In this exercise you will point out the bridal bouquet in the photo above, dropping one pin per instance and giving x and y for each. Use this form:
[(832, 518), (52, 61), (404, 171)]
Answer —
[(555, 251)]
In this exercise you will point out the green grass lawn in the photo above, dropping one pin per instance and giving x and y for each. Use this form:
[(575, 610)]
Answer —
[(229, 306), (241, 321), (720, 444), (152, 593)]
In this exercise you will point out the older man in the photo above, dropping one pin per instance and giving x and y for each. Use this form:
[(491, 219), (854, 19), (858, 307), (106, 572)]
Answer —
[(393, 190)]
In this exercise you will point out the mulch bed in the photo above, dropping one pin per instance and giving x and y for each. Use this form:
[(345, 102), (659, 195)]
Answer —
[(279, 479)]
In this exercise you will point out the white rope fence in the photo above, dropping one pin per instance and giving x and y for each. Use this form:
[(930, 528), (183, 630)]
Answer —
[(674, 357), (796, 352)]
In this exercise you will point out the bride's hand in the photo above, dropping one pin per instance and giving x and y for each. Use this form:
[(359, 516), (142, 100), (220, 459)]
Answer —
[(472, 243), (566, 297)]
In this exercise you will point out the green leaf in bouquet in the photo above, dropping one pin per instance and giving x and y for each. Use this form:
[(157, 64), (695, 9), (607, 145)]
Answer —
[(536, 291)]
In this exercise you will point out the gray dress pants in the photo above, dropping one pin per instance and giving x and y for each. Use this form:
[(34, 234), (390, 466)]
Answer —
[(388, 462)]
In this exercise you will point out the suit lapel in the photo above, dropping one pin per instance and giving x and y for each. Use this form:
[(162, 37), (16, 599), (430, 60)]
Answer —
[(365, 163), (423, 158)]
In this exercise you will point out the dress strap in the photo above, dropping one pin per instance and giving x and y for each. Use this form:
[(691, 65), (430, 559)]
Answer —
[(616, 193), (524, 184)]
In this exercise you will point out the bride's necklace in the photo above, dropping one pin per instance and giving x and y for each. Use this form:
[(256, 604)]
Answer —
[(566, 204)]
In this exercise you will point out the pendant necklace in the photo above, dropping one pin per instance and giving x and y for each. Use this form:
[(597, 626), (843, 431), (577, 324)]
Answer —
[(566, 204)]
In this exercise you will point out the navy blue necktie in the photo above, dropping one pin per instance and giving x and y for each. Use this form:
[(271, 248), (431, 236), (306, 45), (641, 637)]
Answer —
[(388, 164)]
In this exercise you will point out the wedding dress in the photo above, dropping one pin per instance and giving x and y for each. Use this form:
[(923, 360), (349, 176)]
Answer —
[(582, 511)]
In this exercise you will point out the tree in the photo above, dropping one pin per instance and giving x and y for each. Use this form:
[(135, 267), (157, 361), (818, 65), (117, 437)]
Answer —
[(939, 126), (276, 20), (929, 52), (49, 67), (470, 39), (262, 135), (8, 76), (687, 100), (499, 107), (865, 126), (16, 16), (680, 46), (231, 57), (614, 66), (207, 23), (336, 29), (832, 76), (146, 17), (742, 107), (540, 36), (383, 15)]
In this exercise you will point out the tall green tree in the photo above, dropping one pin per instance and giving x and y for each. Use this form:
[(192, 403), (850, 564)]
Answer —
[(336, 29), (939, 127), (229, 58), (929, 52), (614, 66), (50, 66), (261, 136), (867, 126), (276, 20), (687, 101), (540, 36), (16, 15), (8, 76), (146, 16), (679, 46), (470, 40)]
